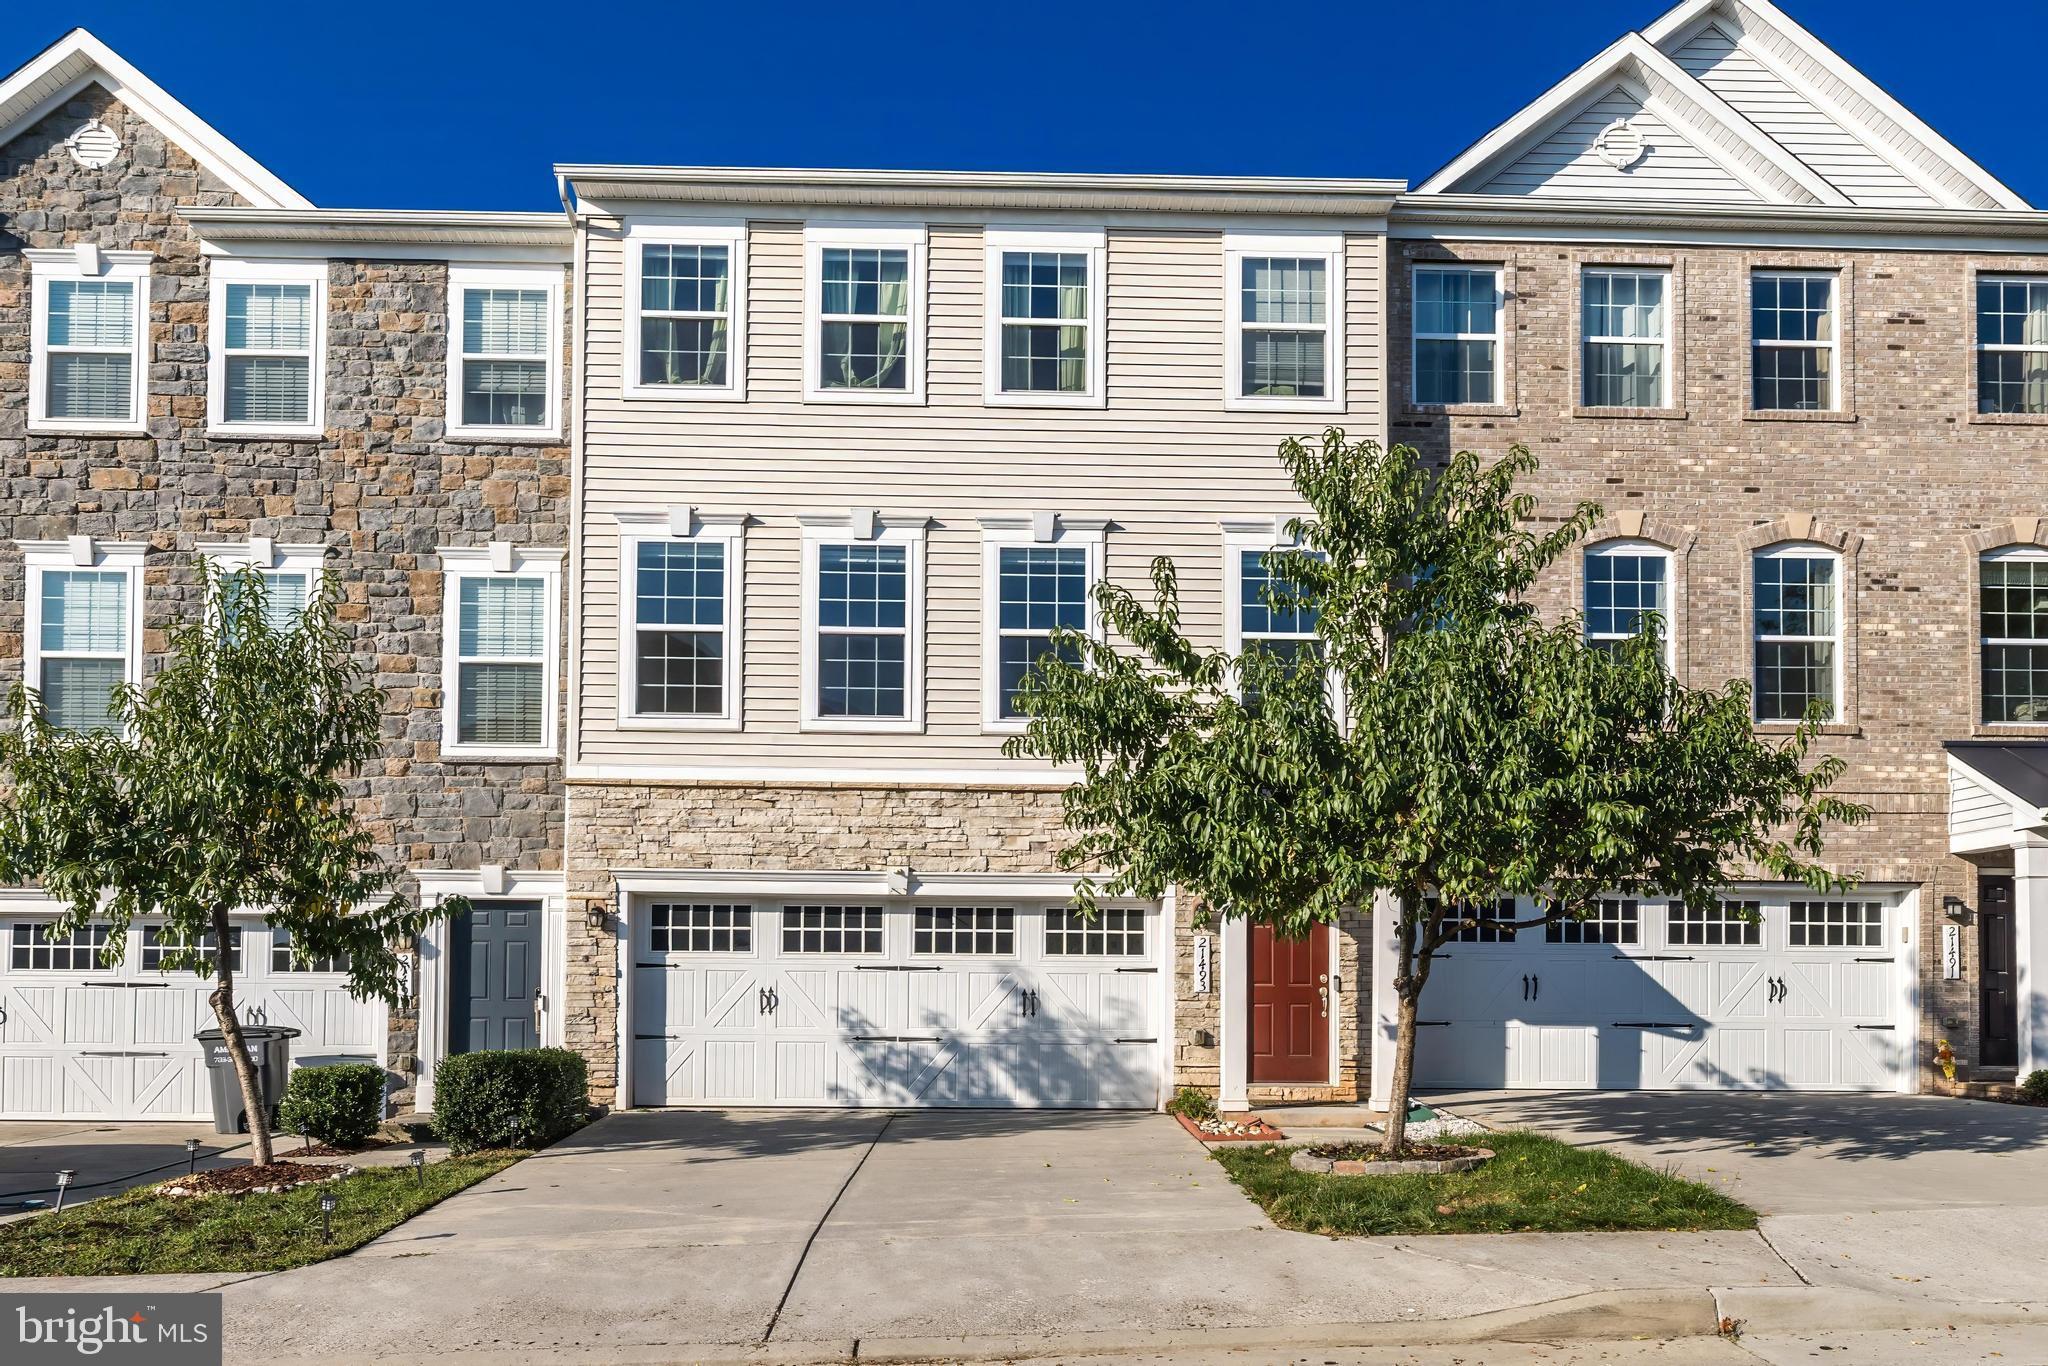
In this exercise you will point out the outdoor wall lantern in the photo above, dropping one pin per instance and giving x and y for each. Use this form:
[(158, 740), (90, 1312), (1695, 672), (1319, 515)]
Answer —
[(594, 915), (1955, 908)]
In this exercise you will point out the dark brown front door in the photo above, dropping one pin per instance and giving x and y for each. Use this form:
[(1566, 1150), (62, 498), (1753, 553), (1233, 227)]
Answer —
[(1998, 1020), (1290, 1006)]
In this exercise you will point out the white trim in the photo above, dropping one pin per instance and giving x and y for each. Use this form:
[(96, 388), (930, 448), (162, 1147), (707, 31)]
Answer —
[(80, 554), (468, 562), (999, 533), (547, 279), (1237, 249), (910, 239), (726, 529), (885, 884), (1416, 336), (1802, 550), (1634, 547), (1234, 1018), (245, 272), (817, 534), (270, 559), (1680, 18), (50, 265), (1002, 775), (1090, 242), (730, 233), (1666, 365), (47, 81), (434, 947), (1833, 345), (2000, 279)]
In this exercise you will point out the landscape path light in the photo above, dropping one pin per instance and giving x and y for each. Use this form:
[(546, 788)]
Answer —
[(419, 1167), (64, 1179), (191, 1156), (328, 1204)]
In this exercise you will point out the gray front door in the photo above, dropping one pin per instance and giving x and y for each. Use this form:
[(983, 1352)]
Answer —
[(495, 972)]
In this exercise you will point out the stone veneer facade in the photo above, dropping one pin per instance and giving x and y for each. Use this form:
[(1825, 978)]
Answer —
[(381, 488), (1907, 481)]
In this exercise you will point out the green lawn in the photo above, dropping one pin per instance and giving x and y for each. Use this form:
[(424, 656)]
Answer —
[(1533, 1184), (139, 1233)]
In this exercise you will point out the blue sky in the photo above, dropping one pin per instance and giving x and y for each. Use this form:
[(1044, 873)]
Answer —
[(431, 104)]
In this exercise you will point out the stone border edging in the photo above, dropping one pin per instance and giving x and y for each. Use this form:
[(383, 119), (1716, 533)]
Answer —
[(1302, 1160)]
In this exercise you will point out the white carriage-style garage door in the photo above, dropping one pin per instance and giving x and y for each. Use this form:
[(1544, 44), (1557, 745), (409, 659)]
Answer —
[(780, 1002), (1772, 991), (83, 1041)]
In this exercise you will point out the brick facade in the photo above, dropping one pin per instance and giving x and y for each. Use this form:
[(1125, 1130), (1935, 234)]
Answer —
[(381, 488), (1907, 481)]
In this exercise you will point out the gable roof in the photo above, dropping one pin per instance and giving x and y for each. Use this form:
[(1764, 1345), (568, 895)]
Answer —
[(78, 59), (1738, 84)]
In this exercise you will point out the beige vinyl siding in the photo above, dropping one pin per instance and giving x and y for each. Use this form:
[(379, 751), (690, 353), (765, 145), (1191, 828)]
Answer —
[(1751, 87), (1972, 810), (1163, 461), (1565, 164)]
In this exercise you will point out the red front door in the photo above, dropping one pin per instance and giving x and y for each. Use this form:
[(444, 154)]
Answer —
[(1290, 1006)]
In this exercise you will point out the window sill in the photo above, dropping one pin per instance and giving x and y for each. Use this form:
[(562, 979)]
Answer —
[(1632, 414), (67, 429), (1238, 403), (1796, 415), (2009, 419), (813, 725), (1004, 727), (679, 393), (266, 434), (864, 397), (677, 723), (2009, 730), (499, 756), (1460, 410), (505, 436), (1774, 728), (996, 400)]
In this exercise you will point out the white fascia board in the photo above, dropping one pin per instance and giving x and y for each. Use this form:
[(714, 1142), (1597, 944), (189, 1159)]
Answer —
[(1632, 60), (884, 884), (1677, 20), (400, 234), (79, 59)]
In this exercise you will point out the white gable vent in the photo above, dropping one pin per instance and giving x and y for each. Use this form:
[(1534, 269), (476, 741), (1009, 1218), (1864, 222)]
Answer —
[(94, 145), (1620, 145)]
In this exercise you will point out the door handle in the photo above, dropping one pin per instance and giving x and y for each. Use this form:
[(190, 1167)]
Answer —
[(1034, 1003), (1324, 994), (1525, 986), (1535, 988), (761, 999), (774, 1000), (1023, 1003)]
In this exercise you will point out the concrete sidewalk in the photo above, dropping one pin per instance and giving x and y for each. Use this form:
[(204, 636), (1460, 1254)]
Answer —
[(787, 1236)]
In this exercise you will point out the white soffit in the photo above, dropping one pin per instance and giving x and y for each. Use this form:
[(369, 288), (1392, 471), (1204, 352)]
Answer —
[(78, 59)]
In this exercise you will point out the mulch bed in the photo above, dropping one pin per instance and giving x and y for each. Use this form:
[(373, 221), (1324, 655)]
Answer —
[(1230, 1130), (249, 1179), (1412, 1152), (329, 1150)]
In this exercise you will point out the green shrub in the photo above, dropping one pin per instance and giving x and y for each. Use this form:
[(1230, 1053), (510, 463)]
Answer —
[(519, 1098), (1193, 1102), (2035, 1087), (340, 1105)]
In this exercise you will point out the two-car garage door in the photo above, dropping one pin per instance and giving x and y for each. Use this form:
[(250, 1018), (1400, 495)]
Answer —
[(84, 1041), (774, 1002), (1772, 992)]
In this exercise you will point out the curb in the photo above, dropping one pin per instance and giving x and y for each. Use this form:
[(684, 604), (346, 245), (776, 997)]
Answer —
[(1807, 1309)]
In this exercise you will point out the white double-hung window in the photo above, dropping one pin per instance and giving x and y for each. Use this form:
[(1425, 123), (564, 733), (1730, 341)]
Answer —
[(1627, 581), (500, 640), (685, 307), (2012, 344), (83, 628), (504, 351), (679, 619), (864, 337), (1798, 632), (1043, 339), (1457, 335), (266, 321), (290, 574), (1038, 576), (1283, 308), (863, 584), (1793, 331), (89, 352), (1625, 326)]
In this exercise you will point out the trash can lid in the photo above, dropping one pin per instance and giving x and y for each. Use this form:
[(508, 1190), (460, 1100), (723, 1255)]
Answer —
[(250, 1034)]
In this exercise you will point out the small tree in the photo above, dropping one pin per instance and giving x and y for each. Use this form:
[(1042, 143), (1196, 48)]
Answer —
[(217, 787), (1440, 745)]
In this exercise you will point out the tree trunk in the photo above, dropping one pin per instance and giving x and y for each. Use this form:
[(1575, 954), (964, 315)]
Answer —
[(1404, 1072), (223, 1002)]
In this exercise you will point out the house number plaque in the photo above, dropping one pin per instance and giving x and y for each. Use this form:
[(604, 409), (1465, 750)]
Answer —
[(1201, 965)]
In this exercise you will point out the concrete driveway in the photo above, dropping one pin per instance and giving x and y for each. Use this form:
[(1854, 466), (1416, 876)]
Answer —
[(1902, 1195), (106, 1157), (660, 1236)]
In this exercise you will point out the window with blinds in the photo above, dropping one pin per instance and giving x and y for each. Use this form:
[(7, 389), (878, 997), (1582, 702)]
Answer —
[(503, 375), (82, 645), (266, 344), (90, 334), (501, 660)]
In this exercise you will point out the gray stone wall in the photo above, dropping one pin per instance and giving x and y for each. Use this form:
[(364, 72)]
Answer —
[(381, 488)]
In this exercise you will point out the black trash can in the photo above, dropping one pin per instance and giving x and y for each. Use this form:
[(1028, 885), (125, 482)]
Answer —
[(270, 1048)]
